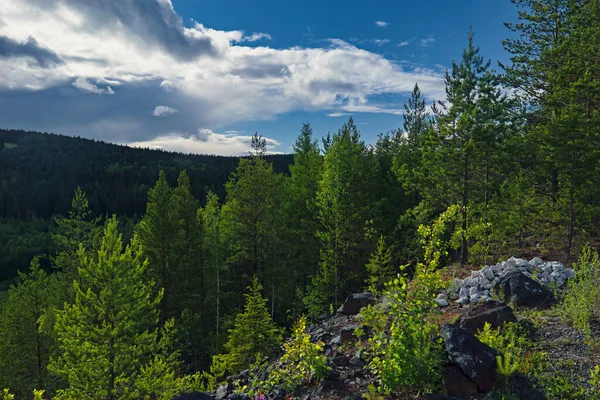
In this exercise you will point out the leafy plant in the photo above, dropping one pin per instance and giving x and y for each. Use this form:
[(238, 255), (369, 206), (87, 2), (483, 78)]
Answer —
[(302, 361), (583, 292), (6, 395), (409, 355), (372, 393)]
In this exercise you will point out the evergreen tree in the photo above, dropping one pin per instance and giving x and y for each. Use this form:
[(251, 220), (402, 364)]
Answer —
[(24, 348), (159, 234), (380, 268), (345, 201), (254, 333), (458, 151), (301, 210), (109, 332)]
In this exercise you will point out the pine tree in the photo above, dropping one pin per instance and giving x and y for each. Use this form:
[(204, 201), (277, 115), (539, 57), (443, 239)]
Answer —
[(254, 333), (380, 268), (110, 331), (24, 348), (158, 234), (345, 201), (301, 210)]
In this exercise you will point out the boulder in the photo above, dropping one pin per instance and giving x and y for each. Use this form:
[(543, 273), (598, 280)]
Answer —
[(340, 360), (347, 333), (223, 391), (355, 302), (475, 359), (521, 290), (493, 312), (456, 382)]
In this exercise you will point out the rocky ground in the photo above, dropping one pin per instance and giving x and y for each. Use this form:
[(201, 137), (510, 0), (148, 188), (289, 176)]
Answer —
[(470, 369)]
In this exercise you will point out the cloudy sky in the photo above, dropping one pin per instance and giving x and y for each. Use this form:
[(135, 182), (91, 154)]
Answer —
[(202, 75)]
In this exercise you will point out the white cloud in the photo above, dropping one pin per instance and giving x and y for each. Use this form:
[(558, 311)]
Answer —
[(220, 84), (86, 86), (381, 42), (256, 36), (427, 42), (382, 24), (205, 141), (164, 111), (338, 114), (402, 44)]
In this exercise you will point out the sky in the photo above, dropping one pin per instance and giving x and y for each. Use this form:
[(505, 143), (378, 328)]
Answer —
[(201, 76)]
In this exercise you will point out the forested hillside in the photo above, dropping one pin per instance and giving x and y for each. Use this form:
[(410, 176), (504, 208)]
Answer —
[(39, 173), (207, 282)]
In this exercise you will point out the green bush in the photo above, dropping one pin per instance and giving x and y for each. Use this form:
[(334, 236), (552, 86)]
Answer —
[(581, 297), (301, 363), (410, 354)]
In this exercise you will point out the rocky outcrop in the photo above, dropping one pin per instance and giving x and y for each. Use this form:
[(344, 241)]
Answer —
[(520, 290), (476, 360), (492, 312), (477, 288)]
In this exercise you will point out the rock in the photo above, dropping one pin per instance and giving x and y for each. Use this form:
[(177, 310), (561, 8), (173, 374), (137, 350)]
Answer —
[(239, 396), (223, 391), (495, 313), (355, 302), (442, 302), (520, 290), (472, 291), (442, 296), (536, 261), (556, 273), (476, 360), (489, 274), (347, 333), (464, 291), (457, 383), (194, 396), (475, 274), (340, 360), (521, 262), (463, 300), (357, 362), (569, 273), (475, 298)]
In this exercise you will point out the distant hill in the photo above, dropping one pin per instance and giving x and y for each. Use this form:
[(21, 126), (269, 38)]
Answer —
[(39, 173)]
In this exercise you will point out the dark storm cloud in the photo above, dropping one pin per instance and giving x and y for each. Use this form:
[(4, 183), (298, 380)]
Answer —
[(151, 21), (125, 116), (45, 58)]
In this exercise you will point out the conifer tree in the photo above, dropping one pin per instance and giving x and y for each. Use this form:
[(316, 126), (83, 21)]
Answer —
[(254, 333), (158, 235), (380, 268), (24, 348), (110, 331)]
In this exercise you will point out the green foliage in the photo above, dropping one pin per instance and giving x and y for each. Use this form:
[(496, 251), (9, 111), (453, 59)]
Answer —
[(410, 356), (109, 333), (302, 361), (583, 292), (372, 393), (254, 333), (6, 395), (379, 268), (25, 348), (436, 239)]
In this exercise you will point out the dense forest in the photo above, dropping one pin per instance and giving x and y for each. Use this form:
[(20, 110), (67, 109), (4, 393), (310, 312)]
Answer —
[(170, 272), (39, 173)]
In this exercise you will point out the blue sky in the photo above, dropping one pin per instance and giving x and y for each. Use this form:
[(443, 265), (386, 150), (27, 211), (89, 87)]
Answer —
[(202, 76)]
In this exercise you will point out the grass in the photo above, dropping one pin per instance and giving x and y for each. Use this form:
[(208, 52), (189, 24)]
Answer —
[(9, 145)]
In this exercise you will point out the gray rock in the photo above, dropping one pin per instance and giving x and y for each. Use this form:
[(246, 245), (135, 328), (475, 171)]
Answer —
[(357, 362), (556, 274), (522, 291), (463, 300), (472, 291), (474, 274), (489, 274), (442, 296), (464, 291), (536, 261), (222, 391), (442, 302), (521, 262)]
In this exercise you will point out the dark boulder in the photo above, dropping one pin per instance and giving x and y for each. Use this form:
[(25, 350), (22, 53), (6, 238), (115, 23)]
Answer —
[(355, 302), (519, 289), (476, 360), (340, 360), (347, 333), (457, 383), (495, 313)]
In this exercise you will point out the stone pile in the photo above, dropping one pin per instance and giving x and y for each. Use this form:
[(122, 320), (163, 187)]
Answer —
[(478, 287)]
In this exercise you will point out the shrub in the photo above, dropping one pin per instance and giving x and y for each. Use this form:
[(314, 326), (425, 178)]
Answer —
[(410, 354), (582, 292), (301, 363)]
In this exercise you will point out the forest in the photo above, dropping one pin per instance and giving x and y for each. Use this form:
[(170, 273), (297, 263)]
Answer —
[(153, 274)]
